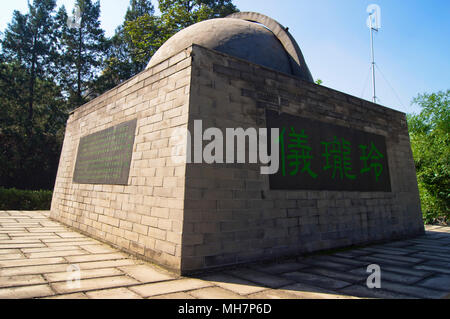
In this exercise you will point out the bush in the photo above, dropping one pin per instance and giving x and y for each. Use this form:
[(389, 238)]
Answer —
[(14, 199), (430, 142)]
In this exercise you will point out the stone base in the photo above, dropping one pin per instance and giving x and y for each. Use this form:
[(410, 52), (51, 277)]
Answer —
[(191, 217)]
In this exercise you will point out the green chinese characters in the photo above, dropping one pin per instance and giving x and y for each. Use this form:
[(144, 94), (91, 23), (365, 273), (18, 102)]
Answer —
[(371, 158), (299, 153), (297, 157), (337, 155)]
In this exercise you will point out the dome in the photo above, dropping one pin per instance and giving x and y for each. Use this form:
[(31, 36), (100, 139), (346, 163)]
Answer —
[(239, 38)]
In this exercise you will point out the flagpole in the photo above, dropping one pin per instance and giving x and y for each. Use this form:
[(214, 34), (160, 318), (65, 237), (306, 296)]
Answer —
[(374, 98)]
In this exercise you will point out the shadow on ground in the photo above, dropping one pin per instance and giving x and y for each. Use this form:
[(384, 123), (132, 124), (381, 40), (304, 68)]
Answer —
[(413, 268)]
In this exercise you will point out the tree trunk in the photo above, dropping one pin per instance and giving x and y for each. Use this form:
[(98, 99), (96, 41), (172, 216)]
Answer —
[(80, 44), (29, 128)]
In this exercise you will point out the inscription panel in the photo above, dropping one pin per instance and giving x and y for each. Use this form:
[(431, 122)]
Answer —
[(316, 155), (104, 157)]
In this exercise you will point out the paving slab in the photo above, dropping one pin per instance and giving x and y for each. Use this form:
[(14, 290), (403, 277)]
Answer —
[(26, 292), (161, 288), (316, 280), (391, 276), (98, 249), (439, 282), (9, 251), (367, 293), (68, 243), (26, 280), (10, 256), (176, 295), (69, 296), (279, 267), (341, 260), (115, 293), (274, 294), (433, 268), (415, 291), (108, 263), (327, 264), (390, 250), (146, 274), (36, 255), (21, 241), (428, 256), (93, 284), (84, 274), (384, 261), (407, 259), (96, 257), (438, 263), (214, 293), (70, 235), (260, 277), (31, 262), (46, 249), (232, 283), (15, 246), (58, 253), (33, 270), (407, 271), (305, 291), (339, 275)]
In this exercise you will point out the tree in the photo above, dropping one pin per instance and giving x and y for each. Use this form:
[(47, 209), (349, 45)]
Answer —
[(149, 32), (430, 140), (29, 161), (138, 8), (32, 108), (179, 14), (123, 59), (29, 41), (82, 51)]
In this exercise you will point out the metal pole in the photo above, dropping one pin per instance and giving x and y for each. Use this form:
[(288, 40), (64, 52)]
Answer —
[(374, 99)]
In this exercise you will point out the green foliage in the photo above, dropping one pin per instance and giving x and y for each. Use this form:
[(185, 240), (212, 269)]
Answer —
[(32, 108), (148, 32), (82, 52), (430, 140), (14, 199), (29, 41), (143, 33), (29, 155), (319, 82), (48, 67), (124, 59), (179, 14)]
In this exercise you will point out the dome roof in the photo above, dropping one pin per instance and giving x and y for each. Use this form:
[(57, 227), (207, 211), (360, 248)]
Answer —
[(240, 38)]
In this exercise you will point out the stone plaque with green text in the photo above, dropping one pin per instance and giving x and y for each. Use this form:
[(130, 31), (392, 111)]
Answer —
[(322, 156), (104, 157)]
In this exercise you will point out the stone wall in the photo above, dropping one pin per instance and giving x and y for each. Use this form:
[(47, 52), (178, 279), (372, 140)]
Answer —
[(231, 215), (144, 217)]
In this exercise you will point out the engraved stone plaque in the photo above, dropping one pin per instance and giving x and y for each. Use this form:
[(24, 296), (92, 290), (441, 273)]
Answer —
[(315, 155), (104, 157)]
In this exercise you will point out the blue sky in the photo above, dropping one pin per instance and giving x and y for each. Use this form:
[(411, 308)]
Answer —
[(412, 49)]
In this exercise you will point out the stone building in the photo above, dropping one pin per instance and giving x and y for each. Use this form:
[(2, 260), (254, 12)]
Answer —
[(119, 181)]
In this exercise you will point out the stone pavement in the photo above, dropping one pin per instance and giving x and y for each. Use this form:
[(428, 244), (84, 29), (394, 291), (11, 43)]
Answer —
[(38, 256)]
